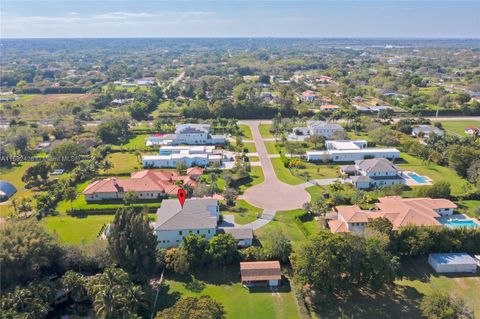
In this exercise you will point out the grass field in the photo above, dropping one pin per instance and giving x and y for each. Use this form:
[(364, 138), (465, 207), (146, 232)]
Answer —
[(250, 146), (458, 127), (254, 159), (435, 172), (469, 207), (247, 133), (284, 174), (136, 142), (14, 176), (223, 285), (246, 213), (265, 130), (73, 230), (123, 163), (270, 145), (256, 177)]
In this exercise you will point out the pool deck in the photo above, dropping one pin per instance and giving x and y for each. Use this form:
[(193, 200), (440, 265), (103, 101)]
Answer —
[(409, 181), (457, 217)]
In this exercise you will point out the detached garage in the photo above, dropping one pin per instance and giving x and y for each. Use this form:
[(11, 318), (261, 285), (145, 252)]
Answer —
[(452, 263)]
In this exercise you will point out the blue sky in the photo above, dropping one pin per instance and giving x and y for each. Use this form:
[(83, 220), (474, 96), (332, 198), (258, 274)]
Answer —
[(247, 18)]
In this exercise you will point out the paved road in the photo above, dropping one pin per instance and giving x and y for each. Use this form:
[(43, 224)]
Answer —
[(272, 194)]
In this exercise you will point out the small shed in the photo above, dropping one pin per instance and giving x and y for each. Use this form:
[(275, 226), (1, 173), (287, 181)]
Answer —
[(261, 273), (7, 190), (452, 263)]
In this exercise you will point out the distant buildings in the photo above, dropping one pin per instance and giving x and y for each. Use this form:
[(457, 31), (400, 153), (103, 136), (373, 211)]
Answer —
[(147, 184), (189, 134), (170, 156), (198, 217), (308, 96), (373, 173), (400, 211), (314, 128), (472, 130), (348, 151), (426, 131)]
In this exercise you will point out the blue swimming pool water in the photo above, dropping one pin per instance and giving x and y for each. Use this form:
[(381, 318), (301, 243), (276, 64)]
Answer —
[(460, 223), (417, 178)]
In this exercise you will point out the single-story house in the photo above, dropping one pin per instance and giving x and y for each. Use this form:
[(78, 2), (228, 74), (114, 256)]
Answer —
[(426, 131), (472, 129), (452, 263), (261, 273)]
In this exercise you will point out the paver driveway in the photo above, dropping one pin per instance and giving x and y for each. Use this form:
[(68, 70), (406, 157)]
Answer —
[(272, 194)]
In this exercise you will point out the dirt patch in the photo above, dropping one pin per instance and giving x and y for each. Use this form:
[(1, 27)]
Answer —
[(460, 283)]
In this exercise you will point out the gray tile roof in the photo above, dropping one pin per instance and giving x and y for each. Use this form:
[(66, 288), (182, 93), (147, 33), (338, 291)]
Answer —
[(376, 165), (238, 233), (194, 215)]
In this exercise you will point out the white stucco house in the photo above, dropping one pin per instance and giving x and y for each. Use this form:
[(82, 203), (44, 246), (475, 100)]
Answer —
[(319, 128), (373, 173), (198, 216), (201, 155), (349, 151), (426, 131), (188, 134)]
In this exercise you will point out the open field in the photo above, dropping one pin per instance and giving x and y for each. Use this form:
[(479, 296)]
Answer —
[(223, 285), (122, 164), (256, 177), (14, 176), (458, 127), (74, 230), (250, 147), (247, 133), (435, 172), (265, 130), (136, 142), (246, 213)]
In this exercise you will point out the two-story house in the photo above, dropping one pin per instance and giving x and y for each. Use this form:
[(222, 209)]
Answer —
[(198, 216), (373, 173), (187, 134)]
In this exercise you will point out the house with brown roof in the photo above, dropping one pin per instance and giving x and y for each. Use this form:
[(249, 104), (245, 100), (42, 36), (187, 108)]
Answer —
[(147, 184), (261, 273), (308, 96), (400, 211)]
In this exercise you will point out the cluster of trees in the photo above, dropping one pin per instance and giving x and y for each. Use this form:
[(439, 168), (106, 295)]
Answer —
[(443, 306), (114, 131)]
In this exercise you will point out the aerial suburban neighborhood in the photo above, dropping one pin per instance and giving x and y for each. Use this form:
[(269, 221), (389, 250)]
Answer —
[(150, 170)]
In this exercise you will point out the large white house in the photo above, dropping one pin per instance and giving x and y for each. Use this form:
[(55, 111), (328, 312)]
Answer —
[(170, 156), (198, 217), (349, 151), (373, 173), (188, 134), (313, 128)]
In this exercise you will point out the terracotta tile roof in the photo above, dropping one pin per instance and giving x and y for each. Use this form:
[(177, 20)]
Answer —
[(260, 270), (400, 211), (143, 181), (194, 171)]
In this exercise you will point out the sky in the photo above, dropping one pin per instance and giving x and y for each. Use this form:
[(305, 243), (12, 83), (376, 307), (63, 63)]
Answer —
[(246, 18)]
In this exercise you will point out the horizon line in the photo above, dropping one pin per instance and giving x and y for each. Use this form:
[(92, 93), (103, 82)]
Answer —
[(253, 37)]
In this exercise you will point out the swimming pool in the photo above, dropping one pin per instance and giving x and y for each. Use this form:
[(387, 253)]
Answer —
[(417, 178), (460, 223)]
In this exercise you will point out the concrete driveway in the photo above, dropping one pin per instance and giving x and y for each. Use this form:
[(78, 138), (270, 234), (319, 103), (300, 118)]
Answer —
[(272, 194)]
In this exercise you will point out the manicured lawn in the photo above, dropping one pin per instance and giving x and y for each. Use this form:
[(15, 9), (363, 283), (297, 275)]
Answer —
[(284, 174), (315, 192), (14, 176), (458, 127), (264, 130), (270, 145), (136, 142), (246, 213), (319, 171), (285, 222), (223, 285), (74, 230), (250, 146), (254, 159), (247, 133), (123, 164), (256, 177), (435, 172)]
